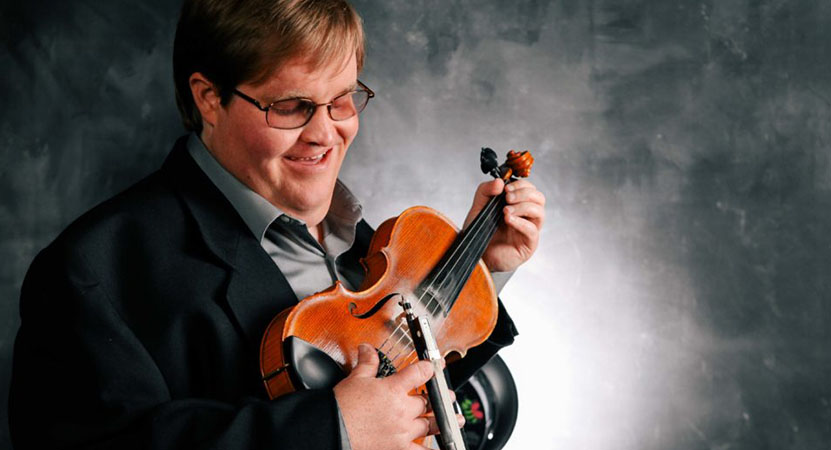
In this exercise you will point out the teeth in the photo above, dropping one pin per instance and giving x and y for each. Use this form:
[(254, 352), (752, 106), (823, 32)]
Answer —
[(311, 158)]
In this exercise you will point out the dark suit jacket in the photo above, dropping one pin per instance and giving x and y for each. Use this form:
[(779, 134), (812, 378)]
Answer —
[(141, 323)]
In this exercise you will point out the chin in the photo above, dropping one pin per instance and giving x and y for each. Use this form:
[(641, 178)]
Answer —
[(313, 197), (311, 186)]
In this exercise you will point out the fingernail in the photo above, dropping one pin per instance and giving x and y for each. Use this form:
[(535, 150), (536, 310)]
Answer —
[(509, 187), (363, 349), (509, 210)]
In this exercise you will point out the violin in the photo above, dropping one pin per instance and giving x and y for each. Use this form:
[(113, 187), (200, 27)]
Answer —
[(419, 257)]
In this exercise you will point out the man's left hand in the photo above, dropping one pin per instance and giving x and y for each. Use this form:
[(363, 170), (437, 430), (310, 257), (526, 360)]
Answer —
[(517, 237)]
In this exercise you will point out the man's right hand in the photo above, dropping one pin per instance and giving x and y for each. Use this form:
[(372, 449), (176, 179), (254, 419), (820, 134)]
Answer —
[(380, 413)]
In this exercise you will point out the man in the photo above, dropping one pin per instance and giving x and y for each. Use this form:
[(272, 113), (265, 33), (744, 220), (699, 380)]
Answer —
[(140, 324)]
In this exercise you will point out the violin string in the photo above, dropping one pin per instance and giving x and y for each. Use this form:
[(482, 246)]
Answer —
[(398, 329), (411, 347), (470, 235), (491, 222), (475, 254), (471, 262), (404, 336), (476, 238), (490, 212), (480, 246), (400, 351), (485, 220)]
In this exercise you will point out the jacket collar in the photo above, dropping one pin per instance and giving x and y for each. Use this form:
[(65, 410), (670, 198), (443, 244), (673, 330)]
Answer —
[(256, 290)]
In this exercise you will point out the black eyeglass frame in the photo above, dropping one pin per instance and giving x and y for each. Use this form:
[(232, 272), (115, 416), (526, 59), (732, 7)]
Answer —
[(314, 106)]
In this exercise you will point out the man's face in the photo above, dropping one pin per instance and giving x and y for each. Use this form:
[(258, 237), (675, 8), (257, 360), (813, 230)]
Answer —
[(294, 169)]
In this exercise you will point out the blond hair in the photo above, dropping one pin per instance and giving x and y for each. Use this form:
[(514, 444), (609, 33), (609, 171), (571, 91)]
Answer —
[(237, 41)]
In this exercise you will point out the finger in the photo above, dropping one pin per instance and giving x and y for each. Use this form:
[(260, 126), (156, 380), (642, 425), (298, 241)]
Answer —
[(483, 193), (490, 188), (529, 231), (416, 405), (434, 426), (414, 446), (412, 376), (420, 427), (487, 190), (525, 195), (519, 184), (530, 211), (429, 405), (367, 366)]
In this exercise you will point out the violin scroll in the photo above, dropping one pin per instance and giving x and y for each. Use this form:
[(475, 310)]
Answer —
[(517, 164), (520, 163)]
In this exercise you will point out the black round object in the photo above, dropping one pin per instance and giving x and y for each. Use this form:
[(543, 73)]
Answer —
[(490, 404)]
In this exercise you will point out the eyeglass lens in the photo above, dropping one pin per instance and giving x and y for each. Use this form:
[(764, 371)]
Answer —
[(294, 113)]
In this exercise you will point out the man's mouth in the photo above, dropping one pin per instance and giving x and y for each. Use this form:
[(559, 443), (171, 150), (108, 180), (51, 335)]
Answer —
[(309, 159)]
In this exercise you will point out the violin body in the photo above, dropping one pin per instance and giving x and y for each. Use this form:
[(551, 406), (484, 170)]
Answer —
[(403, 252)]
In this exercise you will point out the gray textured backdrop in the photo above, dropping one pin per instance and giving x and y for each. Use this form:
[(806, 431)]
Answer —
[(678, 298)]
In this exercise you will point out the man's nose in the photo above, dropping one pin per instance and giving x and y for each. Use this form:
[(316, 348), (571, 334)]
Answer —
[(320, 130)]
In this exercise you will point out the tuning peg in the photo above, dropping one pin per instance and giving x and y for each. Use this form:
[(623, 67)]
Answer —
[(487, 160)]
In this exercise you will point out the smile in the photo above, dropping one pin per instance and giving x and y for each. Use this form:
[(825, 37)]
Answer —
[(309, 159)]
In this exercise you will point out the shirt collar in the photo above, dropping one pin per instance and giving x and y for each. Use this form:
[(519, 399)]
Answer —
[(341, 220), (258, 213)]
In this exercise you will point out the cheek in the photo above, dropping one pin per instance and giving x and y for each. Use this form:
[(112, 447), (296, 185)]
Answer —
[(349, 130), (267, 142), (252, 138)]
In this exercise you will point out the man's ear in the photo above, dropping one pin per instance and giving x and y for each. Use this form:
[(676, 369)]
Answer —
[(206, 97)]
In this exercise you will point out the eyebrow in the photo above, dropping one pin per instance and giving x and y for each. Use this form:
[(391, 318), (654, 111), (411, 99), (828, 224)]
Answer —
[(294, 95)]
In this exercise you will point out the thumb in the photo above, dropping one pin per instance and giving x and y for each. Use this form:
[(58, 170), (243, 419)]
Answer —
[(367, 366), (412, 376), (483, 194)]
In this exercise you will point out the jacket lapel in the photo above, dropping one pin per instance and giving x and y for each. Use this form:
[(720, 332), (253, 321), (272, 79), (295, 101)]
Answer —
[(256, 289)]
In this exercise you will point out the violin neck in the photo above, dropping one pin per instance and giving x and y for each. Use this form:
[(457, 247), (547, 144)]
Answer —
[(439, 291)]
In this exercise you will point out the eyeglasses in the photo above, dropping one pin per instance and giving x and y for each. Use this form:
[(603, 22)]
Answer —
[(297, 112)]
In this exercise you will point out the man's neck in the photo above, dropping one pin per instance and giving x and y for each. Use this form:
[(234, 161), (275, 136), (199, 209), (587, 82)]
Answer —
[(317, 232)]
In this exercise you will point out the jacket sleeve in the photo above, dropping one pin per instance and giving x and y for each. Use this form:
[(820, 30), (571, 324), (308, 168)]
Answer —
[(81, 379)]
